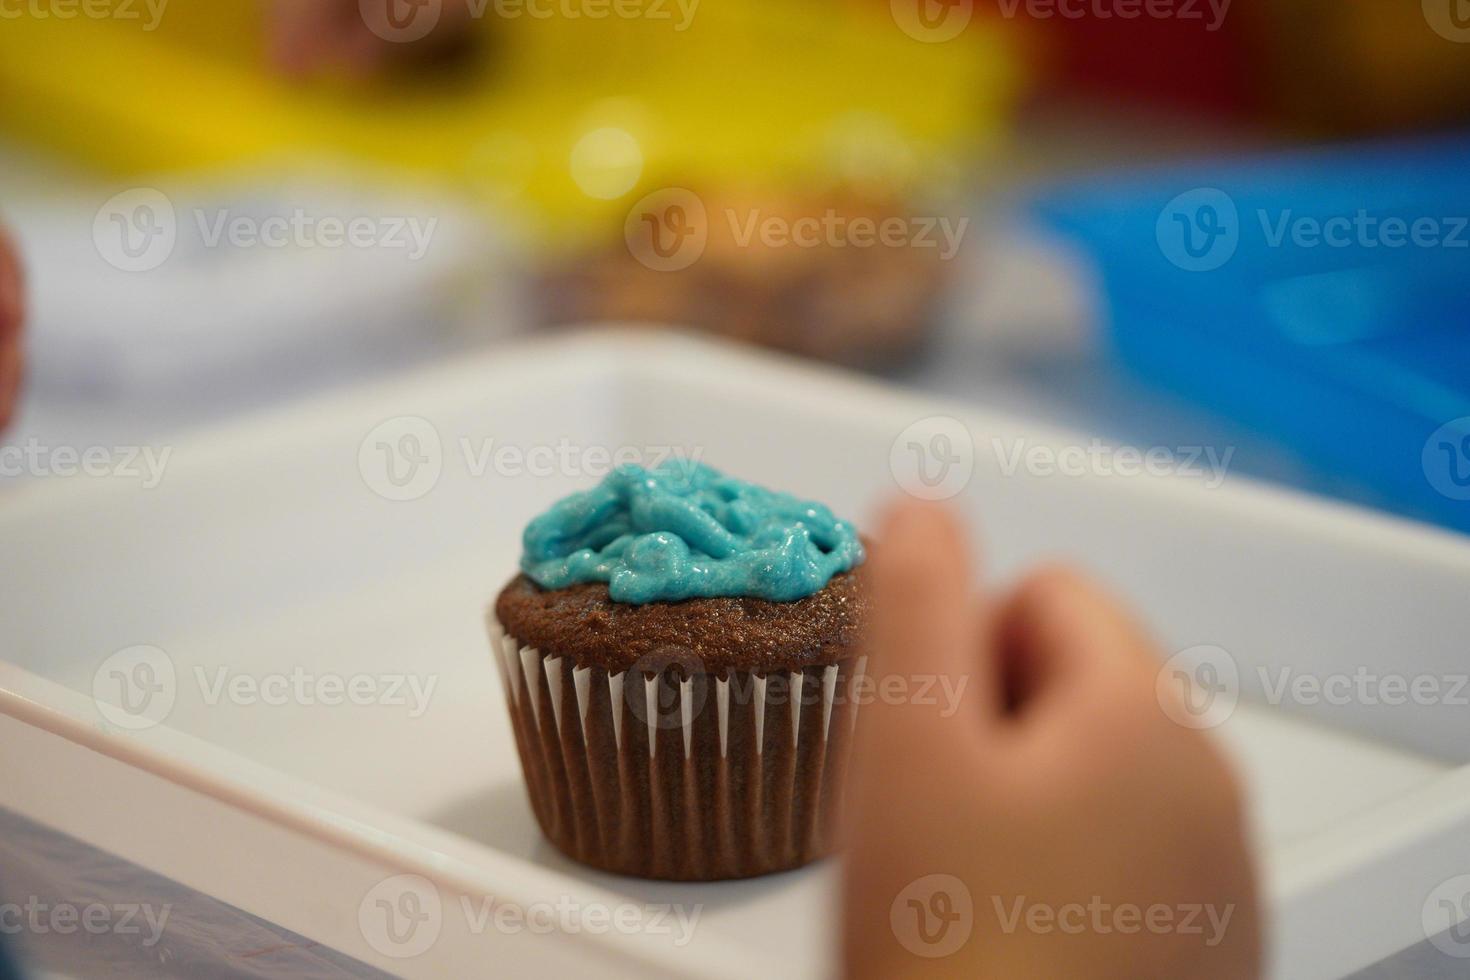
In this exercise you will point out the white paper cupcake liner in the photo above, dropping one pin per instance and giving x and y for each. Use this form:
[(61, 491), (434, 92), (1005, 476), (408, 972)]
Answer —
[(674, 773)]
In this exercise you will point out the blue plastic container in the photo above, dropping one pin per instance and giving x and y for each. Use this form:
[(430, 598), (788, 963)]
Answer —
[(1322, 298)]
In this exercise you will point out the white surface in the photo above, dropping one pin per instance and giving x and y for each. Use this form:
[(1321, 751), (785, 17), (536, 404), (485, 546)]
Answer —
[(254, 280), (265, 550)]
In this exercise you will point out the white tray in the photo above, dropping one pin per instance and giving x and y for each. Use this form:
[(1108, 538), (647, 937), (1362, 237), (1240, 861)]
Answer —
[(265, 549)]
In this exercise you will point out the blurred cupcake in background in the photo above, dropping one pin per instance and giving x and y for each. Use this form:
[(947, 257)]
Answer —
[(837, 276)]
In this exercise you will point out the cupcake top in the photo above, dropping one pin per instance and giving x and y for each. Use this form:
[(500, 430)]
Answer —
[(685, 531), (722, 633)]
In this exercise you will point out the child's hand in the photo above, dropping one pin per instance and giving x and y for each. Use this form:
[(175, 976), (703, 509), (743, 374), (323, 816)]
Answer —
[(1094, 837), (12, 315), (307, 36)]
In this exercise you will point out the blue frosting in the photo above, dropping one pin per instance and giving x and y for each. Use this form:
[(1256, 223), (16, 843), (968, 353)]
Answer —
[(684, 530)]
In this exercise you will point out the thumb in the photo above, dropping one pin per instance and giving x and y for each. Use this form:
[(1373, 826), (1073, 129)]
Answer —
[(924, 649)]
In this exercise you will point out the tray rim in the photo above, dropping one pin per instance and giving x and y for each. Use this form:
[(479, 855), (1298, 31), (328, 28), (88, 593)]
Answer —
[(466, 867)]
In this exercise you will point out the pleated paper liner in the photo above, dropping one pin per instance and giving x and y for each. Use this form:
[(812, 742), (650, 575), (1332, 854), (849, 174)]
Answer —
[(668, 772)]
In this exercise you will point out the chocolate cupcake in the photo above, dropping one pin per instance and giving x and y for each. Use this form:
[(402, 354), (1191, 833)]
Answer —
[(680, 653)]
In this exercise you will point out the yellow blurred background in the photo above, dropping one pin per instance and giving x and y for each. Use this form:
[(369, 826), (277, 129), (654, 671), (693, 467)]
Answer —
[(553, 121)]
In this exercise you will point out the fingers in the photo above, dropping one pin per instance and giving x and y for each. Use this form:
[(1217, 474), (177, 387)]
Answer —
[(1060, 633), (309, 35), (925, 657), (12, 316), (12, 365), (917, 759), (12, 307), (298, 29)]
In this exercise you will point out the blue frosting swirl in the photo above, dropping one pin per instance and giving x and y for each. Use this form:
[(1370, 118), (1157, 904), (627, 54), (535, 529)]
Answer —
[(684, 530)]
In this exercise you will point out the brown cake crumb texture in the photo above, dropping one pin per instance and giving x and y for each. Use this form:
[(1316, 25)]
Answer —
[(743, 634)]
